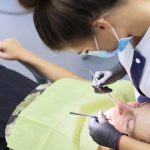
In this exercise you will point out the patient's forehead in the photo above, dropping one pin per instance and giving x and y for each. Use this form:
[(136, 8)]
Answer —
[(143, 112), (141, 109), (142, 123), (135, 105), (144, 106)]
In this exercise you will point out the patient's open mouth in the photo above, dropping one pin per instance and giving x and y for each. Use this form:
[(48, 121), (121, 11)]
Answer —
[(108, 114)]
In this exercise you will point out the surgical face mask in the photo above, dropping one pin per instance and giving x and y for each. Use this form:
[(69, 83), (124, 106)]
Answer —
[(122, 43)]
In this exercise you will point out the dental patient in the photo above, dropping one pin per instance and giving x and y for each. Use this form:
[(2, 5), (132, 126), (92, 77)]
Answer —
[(131, 119)]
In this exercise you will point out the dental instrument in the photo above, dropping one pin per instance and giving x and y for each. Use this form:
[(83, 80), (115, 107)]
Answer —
[(84, 115)]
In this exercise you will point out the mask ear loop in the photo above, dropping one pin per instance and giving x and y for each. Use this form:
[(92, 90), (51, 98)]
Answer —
[(116, 35), (96, 42), (113, 30)]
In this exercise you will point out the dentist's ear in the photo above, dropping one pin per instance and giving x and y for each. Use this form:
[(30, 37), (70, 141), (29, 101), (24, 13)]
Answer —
[(101, 24)]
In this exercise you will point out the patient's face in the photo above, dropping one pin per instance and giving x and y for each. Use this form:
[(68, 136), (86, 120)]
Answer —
[(131, 120)]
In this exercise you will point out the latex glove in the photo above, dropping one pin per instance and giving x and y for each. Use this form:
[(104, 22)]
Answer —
[(103, 133), (11, 49), (108, 77)]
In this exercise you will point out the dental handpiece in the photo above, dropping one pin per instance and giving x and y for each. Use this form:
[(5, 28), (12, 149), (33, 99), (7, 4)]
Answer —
[(111, 97), (84, 115)]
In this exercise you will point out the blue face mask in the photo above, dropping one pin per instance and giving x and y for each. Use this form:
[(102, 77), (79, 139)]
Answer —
[(122, 43)]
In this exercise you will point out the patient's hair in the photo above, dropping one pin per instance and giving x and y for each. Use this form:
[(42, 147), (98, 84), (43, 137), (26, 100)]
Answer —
[(61, 22)]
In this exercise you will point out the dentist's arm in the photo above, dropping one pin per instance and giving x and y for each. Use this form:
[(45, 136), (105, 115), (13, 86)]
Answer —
[(12, 50)]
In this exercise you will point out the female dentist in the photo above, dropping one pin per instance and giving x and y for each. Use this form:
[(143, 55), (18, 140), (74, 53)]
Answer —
[(103, 28)]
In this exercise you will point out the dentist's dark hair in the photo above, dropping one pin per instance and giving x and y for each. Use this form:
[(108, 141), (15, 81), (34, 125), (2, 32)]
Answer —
[(61, 22)]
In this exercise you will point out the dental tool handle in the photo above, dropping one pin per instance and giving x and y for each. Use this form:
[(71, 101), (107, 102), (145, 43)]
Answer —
[(92, 74), (84, 115), (112, 98)]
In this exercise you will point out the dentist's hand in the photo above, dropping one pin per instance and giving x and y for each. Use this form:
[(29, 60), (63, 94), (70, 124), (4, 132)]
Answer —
[(11, 49), (103, 133), (108, 77)]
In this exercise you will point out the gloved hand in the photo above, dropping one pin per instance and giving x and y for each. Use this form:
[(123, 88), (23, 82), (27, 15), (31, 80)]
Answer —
[(103, 133), (108, 77)]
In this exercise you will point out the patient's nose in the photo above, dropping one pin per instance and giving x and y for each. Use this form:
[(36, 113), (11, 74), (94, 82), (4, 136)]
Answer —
[(123, 108)]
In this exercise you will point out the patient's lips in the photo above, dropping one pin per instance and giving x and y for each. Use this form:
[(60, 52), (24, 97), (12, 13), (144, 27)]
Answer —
[(109, 114)]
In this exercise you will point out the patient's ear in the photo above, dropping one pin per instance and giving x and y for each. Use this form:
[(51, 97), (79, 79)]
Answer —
[(124, 108)]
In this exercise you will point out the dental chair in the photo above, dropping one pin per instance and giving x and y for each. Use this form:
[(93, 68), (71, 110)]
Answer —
[(40, 79)]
